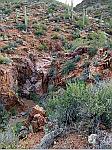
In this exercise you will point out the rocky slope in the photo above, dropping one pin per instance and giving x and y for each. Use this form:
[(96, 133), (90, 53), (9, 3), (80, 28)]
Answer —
[(42, 48), (98, 9)]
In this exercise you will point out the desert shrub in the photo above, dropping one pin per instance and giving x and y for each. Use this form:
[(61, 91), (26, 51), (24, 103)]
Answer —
[(40, 29), (76, 35), (68, 66), (41, 26), (66, 16), (52, 7), (92, 51), (4, 116), (21, 27), (13, 111), (76, 59), (79, 42), (80, 101), (55, 36), (80, 22), (8, 139), (86, 64), (5, 60), (17, 127), (39, 33), (10, 47), (7, 11), (67, 46), (43, 47), (34, 97), (97, 39)]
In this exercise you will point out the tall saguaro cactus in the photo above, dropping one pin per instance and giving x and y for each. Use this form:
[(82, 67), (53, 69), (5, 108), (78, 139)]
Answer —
[(84, 16), (71, 10), (25, 17), (17, 15)]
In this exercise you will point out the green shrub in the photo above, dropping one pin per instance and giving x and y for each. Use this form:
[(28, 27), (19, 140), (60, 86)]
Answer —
[(81, 24), (97, 39), (43, 47), (17, 127), (40, 29), (34, 96), (95, 63), (76, 59), (52, 7), (55, 36), (5, 60), (7, 11), (8, 139), (76, 35), (21, 27), (92, 51), (80, 102), (79, 42), (4, 116), (9, 48), (39, 33), (66, 16), (68, 66)]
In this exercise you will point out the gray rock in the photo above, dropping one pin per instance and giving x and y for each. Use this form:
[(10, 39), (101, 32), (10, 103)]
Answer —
[(49, 139)]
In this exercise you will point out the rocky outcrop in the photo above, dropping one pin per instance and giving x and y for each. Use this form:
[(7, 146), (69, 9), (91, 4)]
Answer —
[(8, 86), (101, 140), (36, 118), (32, 72), (23, 76)]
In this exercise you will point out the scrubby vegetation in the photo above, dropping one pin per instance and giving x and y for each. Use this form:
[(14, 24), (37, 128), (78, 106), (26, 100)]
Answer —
[(58, 59), (80, 102)]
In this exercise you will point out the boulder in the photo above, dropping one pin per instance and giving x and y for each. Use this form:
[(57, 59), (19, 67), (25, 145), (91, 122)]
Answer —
[(36, 118)]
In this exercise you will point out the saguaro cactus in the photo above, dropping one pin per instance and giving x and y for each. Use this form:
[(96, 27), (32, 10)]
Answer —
[(84, 16), (71, 10), (17, 15), (25, 17)]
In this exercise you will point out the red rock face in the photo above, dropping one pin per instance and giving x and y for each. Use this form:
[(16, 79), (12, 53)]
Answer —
[(32, 72), (24, 75), (8, 85)]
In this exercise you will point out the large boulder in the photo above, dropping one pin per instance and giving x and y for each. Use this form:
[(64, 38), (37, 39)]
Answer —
[(36, 118)]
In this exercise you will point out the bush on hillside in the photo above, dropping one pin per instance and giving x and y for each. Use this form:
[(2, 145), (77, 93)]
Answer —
[(5, 60), (40, 29), (97, 39), (4, 116), (21, 27), (80, 102), (92, 51), (68, 66)]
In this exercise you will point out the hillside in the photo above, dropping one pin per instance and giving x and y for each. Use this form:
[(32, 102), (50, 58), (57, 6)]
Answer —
[(96, 8), (55, 75)]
